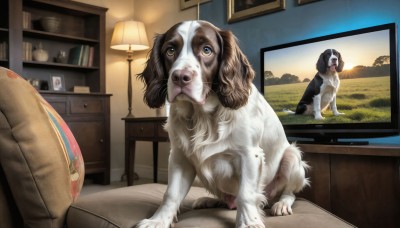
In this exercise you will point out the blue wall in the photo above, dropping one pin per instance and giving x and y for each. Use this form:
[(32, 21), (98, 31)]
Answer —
[(303, 22)]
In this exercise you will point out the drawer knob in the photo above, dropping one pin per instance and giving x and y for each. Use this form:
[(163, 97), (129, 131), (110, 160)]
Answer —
[(101, 140), (85, 105), (141, 129)]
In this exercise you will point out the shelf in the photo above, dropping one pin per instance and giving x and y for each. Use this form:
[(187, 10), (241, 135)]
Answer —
[(81, 25), (59, 37), (50, 92), (58, 65)]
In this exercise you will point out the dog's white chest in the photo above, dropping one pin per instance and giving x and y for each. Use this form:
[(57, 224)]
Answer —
[(329, 88), (330, 84)]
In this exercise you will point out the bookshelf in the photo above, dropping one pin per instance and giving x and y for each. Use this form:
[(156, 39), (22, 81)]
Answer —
[(80, 25)]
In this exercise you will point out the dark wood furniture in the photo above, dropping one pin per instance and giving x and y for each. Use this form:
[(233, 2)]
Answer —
[(360, 184), (142, 129), (88, 115)]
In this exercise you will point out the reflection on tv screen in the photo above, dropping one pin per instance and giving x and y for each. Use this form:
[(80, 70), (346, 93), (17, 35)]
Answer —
[(364, 92)]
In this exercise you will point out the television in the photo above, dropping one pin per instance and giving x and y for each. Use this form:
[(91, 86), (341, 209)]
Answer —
[(369, 85)]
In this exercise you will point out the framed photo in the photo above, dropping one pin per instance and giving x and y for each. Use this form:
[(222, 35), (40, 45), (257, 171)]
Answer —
[(302, 2), (57, 82), (243, 9), (190, 3)]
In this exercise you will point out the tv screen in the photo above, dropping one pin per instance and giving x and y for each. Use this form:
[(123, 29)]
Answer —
[(367, 100)]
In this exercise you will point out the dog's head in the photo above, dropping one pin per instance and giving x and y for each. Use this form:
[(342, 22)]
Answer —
[(330, 61), (192, 60)]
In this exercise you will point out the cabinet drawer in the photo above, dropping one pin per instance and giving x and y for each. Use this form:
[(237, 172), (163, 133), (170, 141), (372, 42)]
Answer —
[(141, 130), (60, 107), (87, 106), (59, 103)]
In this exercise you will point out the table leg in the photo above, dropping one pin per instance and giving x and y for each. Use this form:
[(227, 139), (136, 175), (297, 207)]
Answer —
[(130, 161), (155, 161)]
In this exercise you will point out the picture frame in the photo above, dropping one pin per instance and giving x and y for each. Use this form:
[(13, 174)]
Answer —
[(302, 2), (190, 3), (57, 83), (240, 9)]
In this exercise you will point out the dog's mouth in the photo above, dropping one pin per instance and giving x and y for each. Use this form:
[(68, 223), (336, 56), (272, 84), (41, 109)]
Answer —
[(185, 94), (333, 67)]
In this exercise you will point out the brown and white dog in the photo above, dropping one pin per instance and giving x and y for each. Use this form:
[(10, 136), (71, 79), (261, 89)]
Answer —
[(220, 127), (322, 89)]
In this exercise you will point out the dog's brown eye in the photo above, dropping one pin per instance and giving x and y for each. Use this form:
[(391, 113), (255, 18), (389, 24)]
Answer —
[(207, 51), (170, 51)]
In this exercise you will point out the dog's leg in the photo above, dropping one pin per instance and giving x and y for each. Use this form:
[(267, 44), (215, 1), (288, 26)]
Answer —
[(289, 178), (317, 107), (250, 199), (180, 177), (334, 108)]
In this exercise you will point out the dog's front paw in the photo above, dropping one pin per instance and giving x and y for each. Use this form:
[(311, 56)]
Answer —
[(319, 117), (281, 208), (260, 225), (338, 113), (255, 224), (148, 223), (249, 217)]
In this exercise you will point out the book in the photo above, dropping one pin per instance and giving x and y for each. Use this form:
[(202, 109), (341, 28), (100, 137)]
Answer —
[(3, 50), (75, 55), (91, 56), (26, 20), (85, 56), (27, 51)]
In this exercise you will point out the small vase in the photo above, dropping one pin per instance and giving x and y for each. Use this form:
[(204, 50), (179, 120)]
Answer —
[(61, 57), (39, 54)]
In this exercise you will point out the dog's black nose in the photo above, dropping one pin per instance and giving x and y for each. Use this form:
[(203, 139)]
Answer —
[(182, 77)]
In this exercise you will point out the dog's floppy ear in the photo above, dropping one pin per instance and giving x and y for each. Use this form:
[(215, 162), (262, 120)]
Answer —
[(340, 66), (322, 64), (235, 73), (154, 76)]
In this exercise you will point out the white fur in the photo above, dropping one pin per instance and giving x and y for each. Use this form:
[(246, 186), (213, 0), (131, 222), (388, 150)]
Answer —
[(187, 60), (242, 153)]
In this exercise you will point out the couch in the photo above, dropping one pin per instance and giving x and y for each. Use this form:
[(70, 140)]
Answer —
[(42, 172)]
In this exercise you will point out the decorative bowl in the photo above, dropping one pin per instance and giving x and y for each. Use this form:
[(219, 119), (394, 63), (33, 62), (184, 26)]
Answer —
[(39, 54), (50, 24)]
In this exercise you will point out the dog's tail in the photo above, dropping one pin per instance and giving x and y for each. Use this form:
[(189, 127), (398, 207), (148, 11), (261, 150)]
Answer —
[(288, 111)]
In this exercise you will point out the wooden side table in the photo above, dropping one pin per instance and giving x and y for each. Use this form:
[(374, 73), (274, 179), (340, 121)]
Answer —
[(143, 129)]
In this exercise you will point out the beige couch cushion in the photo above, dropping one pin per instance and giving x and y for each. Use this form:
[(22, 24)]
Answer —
[(40, 159), (125, 207)]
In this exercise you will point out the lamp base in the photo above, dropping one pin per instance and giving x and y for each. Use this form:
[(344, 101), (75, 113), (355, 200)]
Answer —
[(130, 115)]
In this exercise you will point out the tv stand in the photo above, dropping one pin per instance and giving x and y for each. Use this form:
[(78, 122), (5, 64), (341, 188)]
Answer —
[(355, 182), (326, 141)]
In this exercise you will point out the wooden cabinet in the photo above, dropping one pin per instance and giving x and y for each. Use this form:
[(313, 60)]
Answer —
[(80, 26), (4, 33), (88, 117), (360, 184)]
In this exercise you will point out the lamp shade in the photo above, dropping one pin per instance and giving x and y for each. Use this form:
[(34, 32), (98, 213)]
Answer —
[(129, 35)]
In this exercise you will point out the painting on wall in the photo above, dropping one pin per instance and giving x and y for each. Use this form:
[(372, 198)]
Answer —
[(302, 2), (190, 3), (243, 9)]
